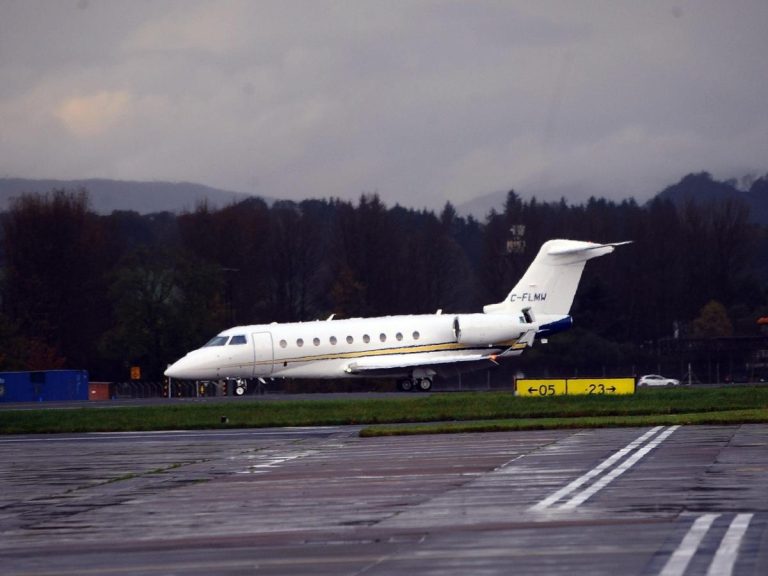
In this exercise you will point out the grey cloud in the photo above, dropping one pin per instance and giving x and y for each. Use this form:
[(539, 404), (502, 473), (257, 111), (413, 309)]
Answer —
[(421, 101)]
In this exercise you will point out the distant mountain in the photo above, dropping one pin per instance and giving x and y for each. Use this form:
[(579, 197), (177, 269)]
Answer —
[(142, 197), (148, 197), (481, 206), (701, 188)]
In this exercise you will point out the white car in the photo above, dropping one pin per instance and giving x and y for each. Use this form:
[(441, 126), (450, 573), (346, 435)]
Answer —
[(656, 380)]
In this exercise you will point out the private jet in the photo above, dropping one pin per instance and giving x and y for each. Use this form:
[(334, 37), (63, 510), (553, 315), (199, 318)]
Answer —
[(412, 348)]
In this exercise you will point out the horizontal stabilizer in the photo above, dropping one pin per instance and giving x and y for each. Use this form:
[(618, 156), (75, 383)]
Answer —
[(562, 250)]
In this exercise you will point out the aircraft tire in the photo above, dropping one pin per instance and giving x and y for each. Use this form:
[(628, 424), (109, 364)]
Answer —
[(424, 384), (406, 385)]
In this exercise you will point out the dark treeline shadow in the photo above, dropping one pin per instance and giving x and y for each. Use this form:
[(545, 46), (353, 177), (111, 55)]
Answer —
[(106, 292)]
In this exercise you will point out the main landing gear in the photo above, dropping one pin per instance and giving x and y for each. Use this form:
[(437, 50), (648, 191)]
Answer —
[(415, 384)]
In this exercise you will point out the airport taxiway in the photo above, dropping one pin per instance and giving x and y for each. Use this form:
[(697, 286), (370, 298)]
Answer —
[(662, 500)]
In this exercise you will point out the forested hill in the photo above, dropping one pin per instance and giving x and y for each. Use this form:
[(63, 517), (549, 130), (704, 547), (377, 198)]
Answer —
[(106, 292), (701, 188), (142, 197), (106, 196)]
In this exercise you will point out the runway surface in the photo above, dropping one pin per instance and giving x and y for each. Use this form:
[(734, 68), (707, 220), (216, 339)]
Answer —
[(664, 500)]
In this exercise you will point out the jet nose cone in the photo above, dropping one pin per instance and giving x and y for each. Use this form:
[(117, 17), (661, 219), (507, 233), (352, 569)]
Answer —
[(197, 365), (173, 371), (170, 372), (181, 370)]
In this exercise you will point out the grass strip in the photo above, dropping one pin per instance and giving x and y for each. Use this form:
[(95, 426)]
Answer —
[(464, 407), (752, 416)]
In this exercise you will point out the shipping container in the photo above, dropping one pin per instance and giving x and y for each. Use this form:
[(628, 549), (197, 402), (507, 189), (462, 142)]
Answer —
[(43, 386)]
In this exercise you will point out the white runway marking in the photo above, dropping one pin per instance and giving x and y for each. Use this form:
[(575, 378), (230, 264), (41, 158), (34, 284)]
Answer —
[(601, 468), (274, 462), (725, 558), (681, 557), (616, 472), (565, 490)]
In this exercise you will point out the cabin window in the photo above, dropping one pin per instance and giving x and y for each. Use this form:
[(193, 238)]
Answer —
[(399, 336), (333, 340), (217, 341), (383, 337), (366, 338), (416, 335), (300, 342), (283, 343), (350, 339), (239, 339), (316, 341)]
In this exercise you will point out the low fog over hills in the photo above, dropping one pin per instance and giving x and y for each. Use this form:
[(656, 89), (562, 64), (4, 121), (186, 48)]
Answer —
[(700, 188), (142, 197), (148, 197)]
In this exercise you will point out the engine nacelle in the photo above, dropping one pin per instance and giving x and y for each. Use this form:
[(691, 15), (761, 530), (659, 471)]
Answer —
[(487, 329)]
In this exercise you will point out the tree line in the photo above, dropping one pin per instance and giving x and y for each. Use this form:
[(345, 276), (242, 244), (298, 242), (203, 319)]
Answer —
[(106, 292)]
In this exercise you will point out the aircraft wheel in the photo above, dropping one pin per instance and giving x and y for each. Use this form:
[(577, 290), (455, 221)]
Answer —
[(239, 390), (405, 385), (424, 384)]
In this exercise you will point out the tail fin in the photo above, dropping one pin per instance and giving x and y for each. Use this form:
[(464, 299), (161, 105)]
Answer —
[(549, 285)]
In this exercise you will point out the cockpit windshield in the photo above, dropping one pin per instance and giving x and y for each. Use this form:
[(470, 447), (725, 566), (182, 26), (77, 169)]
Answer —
[(217, 341), (238, 339)]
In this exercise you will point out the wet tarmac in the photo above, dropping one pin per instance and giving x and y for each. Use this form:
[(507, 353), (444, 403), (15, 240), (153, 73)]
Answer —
[(663, 500)]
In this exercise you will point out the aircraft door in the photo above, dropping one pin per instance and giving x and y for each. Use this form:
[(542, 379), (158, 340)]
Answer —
[(262, 353)]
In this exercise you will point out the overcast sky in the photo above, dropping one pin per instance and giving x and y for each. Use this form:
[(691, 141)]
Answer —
[(420, 101)]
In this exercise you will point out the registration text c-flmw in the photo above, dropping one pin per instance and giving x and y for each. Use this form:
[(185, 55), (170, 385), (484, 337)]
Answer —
[(528, 297)]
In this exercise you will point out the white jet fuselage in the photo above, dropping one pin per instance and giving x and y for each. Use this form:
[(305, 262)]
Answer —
[(415, 348), (390, 345)]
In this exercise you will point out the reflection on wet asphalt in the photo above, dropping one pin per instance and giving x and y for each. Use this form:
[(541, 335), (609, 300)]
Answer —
[(664, 500)]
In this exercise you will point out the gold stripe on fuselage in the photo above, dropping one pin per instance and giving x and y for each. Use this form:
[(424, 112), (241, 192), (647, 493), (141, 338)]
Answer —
[(379, 352), (443, 347)]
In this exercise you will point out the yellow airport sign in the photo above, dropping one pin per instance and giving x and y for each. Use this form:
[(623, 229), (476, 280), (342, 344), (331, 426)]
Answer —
[(574, 386), (601, 386), (539, 387)]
